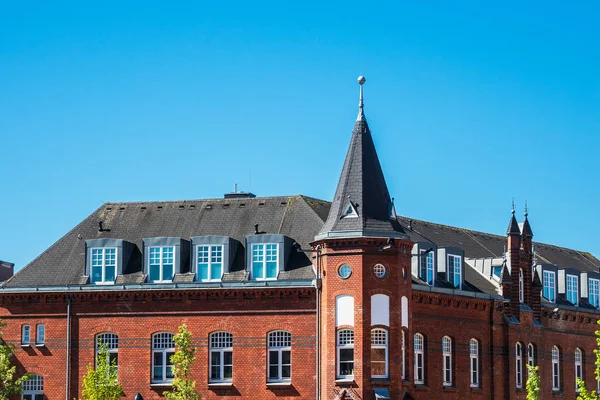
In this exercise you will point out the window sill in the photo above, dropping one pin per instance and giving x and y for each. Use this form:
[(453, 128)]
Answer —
[(25, 344), (344, 381), (558, 393), (381, 380), (163, 282), (220, 384), (449, 388), (279, 384), (40, 345), (103, 283), (161, 384), (421, 387)]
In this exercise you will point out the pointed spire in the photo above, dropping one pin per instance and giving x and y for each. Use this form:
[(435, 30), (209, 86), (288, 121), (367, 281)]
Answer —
[(513, 226), (537, 282), (362, 206), (526, 227), (361, 107), (505, 278)]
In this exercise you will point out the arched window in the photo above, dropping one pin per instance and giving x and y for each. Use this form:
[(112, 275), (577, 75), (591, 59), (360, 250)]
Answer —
[(403, 371), (519, 365), (280, 356), (111, 341), (474, 357), (345, 353), (163, 348), (33, 388), (555, 368), (379, 353), (447, 360), (531, 355), (578, 366), (521, 295), (221, 357), (419, 347)]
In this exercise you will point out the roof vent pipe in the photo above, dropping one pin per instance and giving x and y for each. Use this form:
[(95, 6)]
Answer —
[(410, 224)]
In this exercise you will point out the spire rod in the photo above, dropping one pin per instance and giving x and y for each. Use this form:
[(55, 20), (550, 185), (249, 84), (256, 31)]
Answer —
[(526, 209), (361, 114), (513, 206)]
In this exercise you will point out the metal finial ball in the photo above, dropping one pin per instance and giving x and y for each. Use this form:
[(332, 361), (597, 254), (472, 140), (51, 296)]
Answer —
[(361, 79)]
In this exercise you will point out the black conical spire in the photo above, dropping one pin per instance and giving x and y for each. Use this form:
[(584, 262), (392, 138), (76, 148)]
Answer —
[(513, 226), (526, 227), (362, 205)]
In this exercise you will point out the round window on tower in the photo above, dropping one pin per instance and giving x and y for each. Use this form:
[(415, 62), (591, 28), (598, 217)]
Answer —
[(344, 271), (379, 270)]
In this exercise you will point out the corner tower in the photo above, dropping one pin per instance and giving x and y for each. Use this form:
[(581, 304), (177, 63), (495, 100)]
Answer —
[(363, 266)]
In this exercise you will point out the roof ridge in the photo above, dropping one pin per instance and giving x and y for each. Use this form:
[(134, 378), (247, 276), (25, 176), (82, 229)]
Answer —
[(200, 200)]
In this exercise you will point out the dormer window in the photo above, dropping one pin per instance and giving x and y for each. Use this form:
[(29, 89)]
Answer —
[(161, 261), (426, 267), (264, 261), (210, 262), (454, 271), (549, 283), (104, 265), (594, 292), (573, 289)]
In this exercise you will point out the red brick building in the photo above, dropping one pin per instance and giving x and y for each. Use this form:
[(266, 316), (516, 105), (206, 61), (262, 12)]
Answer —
[(295, 297)]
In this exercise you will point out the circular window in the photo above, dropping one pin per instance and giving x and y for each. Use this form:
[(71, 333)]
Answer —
[(344, 271), (379, 270)]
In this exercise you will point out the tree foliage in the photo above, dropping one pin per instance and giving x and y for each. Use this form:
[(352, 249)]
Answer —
[(533, 383), (9, 386), (583, 392), (102, 382), (184, 387)]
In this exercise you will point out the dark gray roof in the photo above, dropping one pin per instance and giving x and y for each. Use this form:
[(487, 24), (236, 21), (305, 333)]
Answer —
[(294, 216), (361, 186)]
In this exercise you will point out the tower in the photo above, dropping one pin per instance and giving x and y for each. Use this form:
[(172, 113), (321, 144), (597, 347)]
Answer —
[(363, 265)]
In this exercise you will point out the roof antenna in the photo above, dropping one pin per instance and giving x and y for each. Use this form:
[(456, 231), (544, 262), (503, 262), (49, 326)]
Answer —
[(361, 115)]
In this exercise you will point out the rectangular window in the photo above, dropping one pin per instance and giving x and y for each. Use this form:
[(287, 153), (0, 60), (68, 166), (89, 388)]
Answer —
[(161, 264), (419, 347), (103, 265), (280, 356), (474, 356), (573, 289), (426, 267), (549, 283), (345, 353), (594, 292), (453, 271), (40, 336), (163, 347), (210, 262), (447, 360), (264, 261), (25, 335), (221, 357)]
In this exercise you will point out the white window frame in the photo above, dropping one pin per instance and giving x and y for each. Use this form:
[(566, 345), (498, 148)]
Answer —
[(380, 340), (521, 288), (555, 368), (578, 366), (167, 351), (25, 335), (403, 370), (279, 342), (40, 335), (546, 283), (103, 266), (572, 288), (161, 263), (447, 361), (519, 365), (474, 362), (112, 347), (454, 269), (345, 341), (419, 349), (531, 355), (210, 262), (33, 388), (428, 259), (221, 343), (594, 291), (264, 261)]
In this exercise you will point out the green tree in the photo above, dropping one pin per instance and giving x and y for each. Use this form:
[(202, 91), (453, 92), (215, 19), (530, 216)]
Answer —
[(184, 387), (533, 383), (9, 386), (101, 383), (583, 393)]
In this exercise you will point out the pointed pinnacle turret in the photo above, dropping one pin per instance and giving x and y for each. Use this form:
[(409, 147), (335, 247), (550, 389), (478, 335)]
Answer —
[(361, 107), (537, 282), (505, 278), (513, 226), (526, 227)]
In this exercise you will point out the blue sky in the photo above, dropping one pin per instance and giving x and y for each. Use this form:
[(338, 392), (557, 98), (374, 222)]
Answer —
[(470, 104)]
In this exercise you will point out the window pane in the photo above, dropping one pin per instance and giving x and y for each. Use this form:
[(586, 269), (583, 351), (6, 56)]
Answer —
[(96, 274), (274, 372), (377, 354), (227, 358), (286, 357), (215, 372), (202, 271), (215, 272), (257, 270), (110, 274), (378, 368), (346, 354), (227, 372), (271, 269), (167, 272), (273, 357), (286, 371), (154, 273)]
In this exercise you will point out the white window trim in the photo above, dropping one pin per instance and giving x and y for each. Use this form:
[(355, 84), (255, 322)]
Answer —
[(555, 361), (221, 351), (521, 287), (210, 263), (420, 352), (553, 274), (596, 286), (39, 342), (110, 350), (342, 347), (531, 355), (578, 363), (35, 381), (460, 264), (576, 290), (447, 367), (25, 341), (103, 281), (164, 352), (519, 365), (160, 273), (474, 357), (264, 261), (403, 371), (424, 258), (279, 350), (382, 346)]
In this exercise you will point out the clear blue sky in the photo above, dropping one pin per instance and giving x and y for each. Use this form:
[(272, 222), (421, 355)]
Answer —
[(469, 105)]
